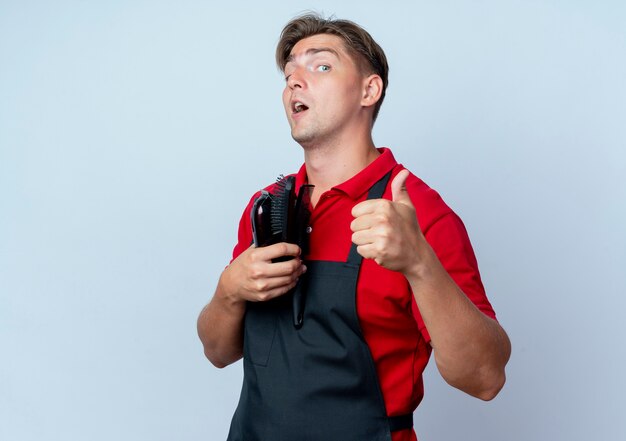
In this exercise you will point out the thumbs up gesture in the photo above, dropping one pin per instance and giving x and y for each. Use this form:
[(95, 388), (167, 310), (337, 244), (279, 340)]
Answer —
[(387, 231)]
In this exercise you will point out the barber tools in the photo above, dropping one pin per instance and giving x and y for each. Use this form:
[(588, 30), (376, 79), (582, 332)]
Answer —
[(283, 216)]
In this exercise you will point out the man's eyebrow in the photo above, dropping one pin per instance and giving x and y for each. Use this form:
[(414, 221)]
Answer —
[(313, 51)]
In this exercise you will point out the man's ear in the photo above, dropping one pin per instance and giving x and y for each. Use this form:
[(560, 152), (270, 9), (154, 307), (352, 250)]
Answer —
[(372, 90)]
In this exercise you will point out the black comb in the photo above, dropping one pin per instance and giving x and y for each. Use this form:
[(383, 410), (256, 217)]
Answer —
[(282, 209)]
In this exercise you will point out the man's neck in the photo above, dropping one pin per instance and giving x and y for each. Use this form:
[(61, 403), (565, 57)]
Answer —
[(328, 166)]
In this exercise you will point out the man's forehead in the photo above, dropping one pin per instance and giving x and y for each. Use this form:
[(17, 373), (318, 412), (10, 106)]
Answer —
[(316, 44)]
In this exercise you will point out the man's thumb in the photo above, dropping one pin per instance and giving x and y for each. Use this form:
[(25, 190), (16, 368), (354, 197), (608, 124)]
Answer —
[(398, 188)]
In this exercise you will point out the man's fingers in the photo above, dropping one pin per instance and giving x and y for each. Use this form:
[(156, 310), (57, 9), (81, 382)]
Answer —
[(279, 291), (363, 237), (368, 251), (365, 207), (265, 286), (366, 221), (280, 269), (278, 250)]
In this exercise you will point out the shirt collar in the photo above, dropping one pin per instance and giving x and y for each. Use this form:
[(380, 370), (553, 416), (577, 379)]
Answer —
[(360, 183)]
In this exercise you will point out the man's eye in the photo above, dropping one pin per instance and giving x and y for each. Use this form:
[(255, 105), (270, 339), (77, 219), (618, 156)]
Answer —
[(323, 68)]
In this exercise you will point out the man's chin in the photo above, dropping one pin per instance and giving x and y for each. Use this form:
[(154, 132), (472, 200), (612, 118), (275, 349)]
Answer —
[(303, 138)]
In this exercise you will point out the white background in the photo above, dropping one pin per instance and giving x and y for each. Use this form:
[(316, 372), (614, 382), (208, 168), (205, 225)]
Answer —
[(132, 134)]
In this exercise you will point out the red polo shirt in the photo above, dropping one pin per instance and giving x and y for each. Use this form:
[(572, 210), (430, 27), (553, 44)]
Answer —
[(390, 320)]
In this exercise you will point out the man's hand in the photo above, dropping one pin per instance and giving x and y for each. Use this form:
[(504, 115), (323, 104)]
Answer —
[(387, 231), (250, 277), (253, 277)]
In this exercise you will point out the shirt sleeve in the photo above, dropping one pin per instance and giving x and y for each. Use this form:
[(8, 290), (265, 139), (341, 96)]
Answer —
[(450, 241)]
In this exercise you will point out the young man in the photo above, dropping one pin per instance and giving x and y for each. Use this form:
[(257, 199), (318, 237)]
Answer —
[(390, 274)]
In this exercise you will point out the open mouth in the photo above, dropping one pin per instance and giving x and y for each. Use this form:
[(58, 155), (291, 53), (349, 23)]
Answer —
[(298, 107)]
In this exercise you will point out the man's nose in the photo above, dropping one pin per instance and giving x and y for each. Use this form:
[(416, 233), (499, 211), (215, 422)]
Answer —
[(296, 79)]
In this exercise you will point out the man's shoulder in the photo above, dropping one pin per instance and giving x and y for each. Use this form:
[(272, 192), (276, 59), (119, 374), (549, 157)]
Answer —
[(428, 203)]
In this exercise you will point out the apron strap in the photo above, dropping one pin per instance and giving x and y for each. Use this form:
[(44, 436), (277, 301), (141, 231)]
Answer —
[(376, 192), (400, 422)]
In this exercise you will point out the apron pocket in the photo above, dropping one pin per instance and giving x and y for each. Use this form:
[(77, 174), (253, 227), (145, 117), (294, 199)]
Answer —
[(259, 331)]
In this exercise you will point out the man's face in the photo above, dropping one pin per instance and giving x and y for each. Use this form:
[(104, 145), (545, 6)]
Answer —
[(323, 90)]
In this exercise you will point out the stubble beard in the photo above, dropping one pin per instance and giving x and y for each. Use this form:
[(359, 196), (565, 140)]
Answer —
[(309, 137), (304, 137)]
